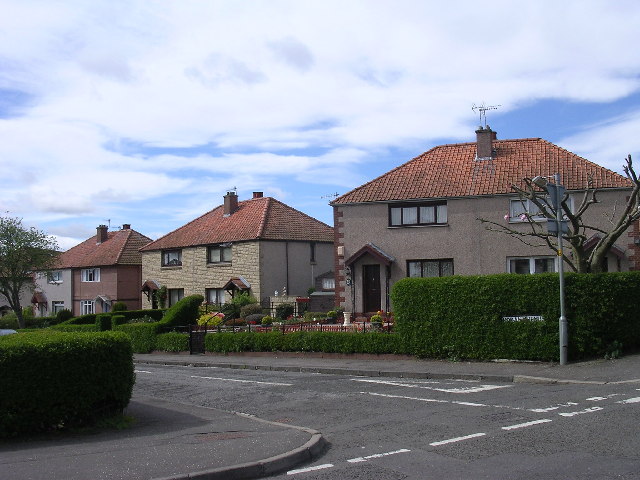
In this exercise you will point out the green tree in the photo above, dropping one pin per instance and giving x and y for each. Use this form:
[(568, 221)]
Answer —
[(22, 252), (583, 258)]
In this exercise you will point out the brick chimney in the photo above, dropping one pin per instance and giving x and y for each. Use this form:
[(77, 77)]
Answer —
[(484, 142), (230, 203), (126, 226), (257, 194), (102, 234)]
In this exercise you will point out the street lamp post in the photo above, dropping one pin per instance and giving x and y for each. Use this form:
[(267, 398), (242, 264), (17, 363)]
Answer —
[(556, 192)]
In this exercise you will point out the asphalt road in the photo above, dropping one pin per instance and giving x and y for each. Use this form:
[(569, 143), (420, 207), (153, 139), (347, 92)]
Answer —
[(386, 428)]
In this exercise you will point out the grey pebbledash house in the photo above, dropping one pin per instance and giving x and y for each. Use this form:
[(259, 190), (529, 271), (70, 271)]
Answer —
[(421, 218), (260, 246)]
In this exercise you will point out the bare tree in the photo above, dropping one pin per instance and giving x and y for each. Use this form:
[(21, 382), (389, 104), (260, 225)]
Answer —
[(22, 252), (583, 257)]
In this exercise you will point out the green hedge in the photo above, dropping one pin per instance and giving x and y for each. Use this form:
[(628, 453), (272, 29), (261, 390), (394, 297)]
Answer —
[(172, 342), (143, 335), (462, 317), (327, 342), (63, 327), (53, 379)]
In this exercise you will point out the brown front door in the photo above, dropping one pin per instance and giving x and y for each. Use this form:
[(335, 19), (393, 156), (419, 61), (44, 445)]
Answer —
[(371, 287)]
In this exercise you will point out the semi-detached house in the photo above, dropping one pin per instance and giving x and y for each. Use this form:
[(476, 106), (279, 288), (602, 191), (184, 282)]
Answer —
[(422, 218), (260, 246)]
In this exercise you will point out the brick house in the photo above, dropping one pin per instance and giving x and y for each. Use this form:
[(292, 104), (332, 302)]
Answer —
[(91, 276), (259, 245), (421, 218)]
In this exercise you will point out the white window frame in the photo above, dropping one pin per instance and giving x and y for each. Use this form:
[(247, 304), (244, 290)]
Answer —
[(55, 276), (328, 283), (56, 306), (532, 263), (90, 275), (87, 307), (515, 216)]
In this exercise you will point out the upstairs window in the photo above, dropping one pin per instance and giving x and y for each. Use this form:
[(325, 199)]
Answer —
[(90, 275), (172, 258), (430, 268), (520, 208), (219, 253), (418, 214), (55, 276)]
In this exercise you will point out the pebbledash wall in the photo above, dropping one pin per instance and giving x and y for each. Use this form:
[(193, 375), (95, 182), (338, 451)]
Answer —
[(268, 266), (464, 239)]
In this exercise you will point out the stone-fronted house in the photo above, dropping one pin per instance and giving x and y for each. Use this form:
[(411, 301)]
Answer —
[(422, 218), (91, 276), (259, 245)]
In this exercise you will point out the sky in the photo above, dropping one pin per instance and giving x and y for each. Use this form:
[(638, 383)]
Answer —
[(148, 112)]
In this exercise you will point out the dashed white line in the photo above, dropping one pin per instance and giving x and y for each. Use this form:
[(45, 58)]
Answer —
[(556, 407), (580, 412), (457, 439), (142, 371), (480, 388), (243, 381), (526, 424), (310, 469), (377, 455), (630, 400)]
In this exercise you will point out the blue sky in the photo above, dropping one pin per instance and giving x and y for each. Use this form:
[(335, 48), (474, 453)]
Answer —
[(146, 112)]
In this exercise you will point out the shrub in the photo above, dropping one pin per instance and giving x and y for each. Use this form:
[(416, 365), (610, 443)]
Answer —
[(10, 320), (183, 313), (172, 342), (254, 318), (250, 309), (65, 327), (267, 320), (64, 315), (212, 319), (142, 335), (284, 311), (117, 320), (55, 380), (103, 322), (87, 319), (119, 307)]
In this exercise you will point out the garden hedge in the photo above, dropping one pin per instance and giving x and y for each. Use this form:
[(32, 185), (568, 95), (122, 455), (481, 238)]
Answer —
[(53, 379), (467, 317), (143, 335)]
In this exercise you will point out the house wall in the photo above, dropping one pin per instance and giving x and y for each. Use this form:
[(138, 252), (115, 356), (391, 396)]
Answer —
[(195, 275), (128, 286), (288, 264), (90, 290), (474, 249), (59, 291)]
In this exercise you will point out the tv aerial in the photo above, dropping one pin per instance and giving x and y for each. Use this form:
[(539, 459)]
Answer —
[(482, 109)]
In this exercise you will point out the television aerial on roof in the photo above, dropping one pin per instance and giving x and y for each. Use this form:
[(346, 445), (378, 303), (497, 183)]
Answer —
[(483, 112)]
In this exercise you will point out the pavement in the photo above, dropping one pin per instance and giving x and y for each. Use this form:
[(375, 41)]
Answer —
[(176, 441)]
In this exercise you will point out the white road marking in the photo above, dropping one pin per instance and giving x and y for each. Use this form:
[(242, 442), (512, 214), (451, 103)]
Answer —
[(479, 388), (457, 439), (142, 371), (549, 409), (310, 469), (526, 424), (580, 412), (630, 400), (599, 399), (376, 455), (243, 381)]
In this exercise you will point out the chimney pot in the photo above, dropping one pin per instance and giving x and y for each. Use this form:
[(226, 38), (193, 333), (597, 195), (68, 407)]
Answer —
[(257, 194), (102, 234), (230, 203)]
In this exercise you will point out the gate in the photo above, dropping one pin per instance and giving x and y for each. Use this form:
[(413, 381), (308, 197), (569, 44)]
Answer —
[(196, 339)]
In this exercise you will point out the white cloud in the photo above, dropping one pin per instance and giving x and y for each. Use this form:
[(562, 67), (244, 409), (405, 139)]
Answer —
[(288, 91)]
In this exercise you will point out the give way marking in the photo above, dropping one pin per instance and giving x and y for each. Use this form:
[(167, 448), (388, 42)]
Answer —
[(473, 389)]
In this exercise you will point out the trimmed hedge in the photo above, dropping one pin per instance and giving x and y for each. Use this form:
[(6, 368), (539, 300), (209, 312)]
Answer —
[(63, 327), (172, 342), (463, 317), (327, 342), (143, 335), (52, 380)]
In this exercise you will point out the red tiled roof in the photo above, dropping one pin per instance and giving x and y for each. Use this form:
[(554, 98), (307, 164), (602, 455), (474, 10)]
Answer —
[(262, 218), (453, 171), (120, 248)]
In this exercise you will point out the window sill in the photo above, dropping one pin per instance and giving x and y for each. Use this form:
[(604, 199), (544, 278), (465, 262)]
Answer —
[(171, 267), (395, 227), (218, 264)]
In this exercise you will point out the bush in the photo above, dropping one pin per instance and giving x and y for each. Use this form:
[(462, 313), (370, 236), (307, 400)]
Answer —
[(142, 335), (117, 320), (284, 311), (172, 342), (64, 327), (119, 307), (64, 315), (267, 320), (254, 318), (464, 317), (87, 319), (103, 323), (55, 380), (250, 309)]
